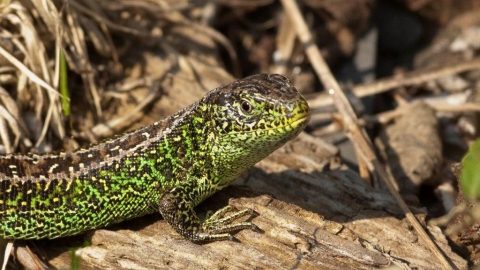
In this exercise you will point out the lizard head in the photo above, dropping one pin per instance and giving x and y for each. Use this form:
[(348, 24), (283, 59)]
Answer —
[(253, 117)]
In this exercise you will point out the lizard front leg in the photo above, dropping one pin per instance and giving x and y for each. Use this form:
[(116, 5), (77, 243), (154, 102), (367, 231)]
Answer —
[(177, 210)]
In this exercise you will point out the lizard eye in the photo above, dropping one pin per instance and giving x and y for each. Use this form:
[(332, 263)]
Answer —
[(246, 106)]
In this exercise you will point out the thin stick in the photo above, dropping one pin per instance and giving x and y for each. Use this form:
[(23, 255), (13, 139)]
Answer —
[(362, 142), (409, 78), (285, 43)]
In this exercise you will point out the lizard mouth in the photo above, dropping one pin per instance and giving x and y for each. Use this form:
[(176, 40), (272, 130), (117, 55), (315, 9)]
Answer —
[(300, 121)]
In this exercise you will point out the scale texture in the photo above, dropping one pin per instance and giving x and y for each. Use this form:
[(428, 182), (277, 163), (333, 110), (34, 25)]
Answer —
[(168, 167)]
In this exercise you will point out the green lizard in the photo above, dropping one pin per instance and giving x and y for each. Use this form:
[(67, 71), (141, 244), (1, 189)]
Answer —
[(168, 167)]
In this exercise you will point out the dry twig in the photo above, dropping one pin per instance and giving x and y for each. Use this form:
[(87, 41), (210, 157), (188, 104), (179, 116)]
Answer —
[(406, 79)]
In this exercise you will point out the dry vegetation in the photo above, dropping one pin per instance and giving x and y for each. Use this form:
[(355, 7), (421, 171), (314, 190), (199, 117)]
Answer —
[(76, 72)]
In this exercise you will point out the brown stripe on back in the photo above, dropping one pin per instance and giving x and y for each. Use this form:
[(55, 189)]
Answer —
[(55, 165)]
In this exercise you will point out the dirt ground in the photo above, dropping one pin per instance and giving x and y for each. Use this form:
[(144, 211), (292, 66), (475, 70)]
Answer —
[(365, 186)]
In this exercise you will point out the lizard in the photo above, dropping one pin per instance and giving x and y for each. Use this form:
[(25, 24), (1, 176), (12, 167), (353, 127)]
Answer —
[(168, 167)]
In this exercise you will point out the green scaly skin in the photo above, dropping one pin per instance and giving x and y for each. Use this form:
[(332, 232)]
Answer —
[(167, 167)]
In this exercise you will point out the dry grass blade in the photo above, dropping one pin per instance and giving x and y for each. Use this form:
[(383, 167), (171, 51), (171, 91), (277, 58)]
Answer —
[(39, 64), (459, 108), (14, 125), (6, 256), (78, 59), (48, 13), (25, 70), (358, 135), (32, 65), (4, 133), (51, 17), (14, 118), (50, 112)]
